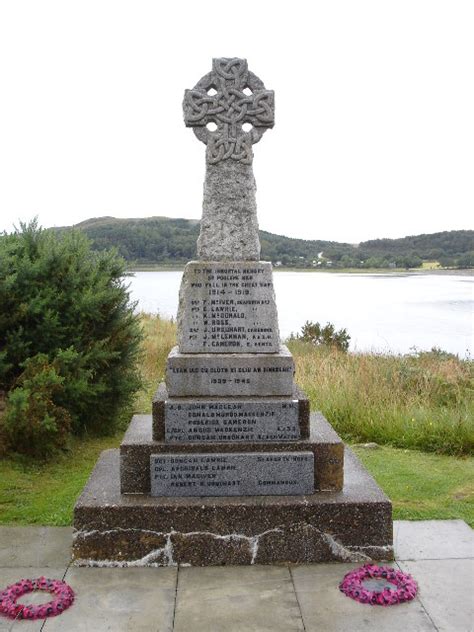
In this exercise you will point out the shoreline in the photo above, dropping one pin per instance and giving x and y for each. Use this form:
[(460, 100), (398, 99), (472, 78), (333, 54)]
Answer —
[(384, 271)]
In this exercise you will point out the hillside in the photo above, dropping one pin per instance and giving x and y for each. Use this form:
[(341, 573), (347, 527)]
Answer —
[(163, 240)]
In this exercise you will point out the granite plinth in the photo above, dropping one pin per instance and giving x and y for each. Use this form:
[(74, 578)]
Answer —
[(200, 419), (227, 307), (227, 375), (111, 528), (232, 474), (138, 445)]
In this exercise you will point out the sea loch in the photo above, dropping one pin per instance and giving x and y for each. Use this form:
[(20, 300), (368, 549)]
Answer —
[(389, 313)]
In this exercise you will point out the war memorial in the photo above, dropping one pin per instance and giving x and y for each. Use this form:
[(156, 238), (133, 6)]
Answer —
[(231, 467)]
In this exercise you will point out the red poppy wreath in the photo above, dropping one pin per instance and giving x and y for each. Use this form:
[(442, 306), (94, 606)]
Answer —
[(399, 587), (8, 599)]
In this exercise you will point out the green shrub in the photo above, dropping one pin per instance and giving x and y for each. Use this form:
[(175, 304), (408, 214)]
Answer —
[(33, 422), (317, 335), (61, 300)]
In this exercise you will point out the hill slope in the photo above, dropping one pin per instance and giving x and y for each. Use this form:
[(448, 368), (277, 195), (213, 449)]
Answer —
[(168, 240)]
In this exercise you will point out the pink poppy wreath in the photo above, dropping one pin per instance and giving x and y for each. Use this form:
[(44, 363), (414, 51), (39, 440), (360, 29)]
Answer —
[(10, 607), (404, 586)]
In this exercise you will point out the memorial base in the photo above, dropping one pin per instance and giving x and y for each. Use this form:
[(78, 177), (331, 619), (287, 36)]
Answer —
[(114, 529), (138, 446)]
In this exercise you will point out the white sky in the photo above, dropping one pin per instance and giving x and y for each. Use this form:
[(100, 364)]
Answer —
[(374, 133)]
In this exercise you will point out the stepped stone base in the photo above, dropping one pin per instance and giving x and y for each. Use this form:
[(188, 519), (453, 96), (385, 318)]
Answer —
[(114, 529), (138, 445), (268, 418)]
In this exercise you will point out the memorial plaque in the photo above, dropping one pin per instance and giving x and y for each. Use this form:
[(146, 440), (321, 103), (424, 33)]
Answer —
[(229, 374), (234, 474), (255, 410), (228, 307), (233, 419)]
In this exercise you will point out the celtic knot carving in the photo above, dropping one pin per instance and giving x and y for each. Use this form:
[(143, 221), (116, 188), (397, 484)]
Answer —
[(229, 96)]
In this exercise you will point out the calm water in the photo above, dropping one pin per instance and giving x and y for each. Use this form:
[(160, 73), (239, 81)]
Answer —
[(382, 312)]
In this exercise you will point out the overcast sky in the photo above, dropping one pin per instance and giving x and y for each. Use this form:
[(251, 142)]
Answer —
[(374, 133)]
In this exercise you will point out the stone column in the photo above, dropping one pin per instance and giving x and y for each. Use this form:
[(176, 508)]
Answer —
[(229, 226)]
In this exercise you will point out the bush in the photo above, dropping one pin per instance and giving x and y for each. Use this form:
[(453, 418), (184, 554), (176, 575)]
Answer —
[(33, 422), (317, 335), (63, 302)]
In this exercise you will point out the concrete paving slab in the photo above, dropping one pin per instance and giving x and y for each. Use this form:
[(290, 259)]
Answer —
[(446, 590), (10, 576), (35, 546), (240, 598), (236, 599), (324, 607), (119, 599), (433, 539)]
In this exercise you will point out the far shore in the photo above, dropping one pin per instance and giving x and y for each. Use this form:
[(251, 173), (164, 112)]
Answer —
[(396, 271)]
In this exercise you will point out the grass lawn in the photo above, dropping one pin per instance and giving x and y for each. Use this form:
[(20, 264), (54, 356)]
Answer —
[(34, 493), (421, 486)]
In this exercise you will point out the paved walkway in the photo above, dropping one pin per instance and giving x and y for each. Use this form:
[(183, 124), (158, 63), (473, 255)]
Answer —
[(439, 555)]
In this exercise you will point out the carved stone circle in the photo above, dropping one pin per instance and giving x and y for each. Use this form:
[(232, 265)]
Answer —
[(229, 96)]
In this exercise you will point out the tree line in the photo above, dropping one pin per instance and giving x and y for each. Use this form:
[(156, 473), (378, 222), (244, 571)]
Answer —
[(162, 240)]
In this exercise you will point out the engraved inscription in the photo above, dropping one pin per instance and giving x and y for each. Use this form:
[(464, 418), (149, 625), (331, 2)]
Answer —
[(231, 421), (237, 374), (228, 309), (233, 474)]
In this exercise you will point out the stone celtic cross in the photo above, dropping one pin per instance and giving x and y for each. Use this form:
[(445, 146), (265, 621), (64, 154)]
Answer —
[(229, 96), (219, 108)]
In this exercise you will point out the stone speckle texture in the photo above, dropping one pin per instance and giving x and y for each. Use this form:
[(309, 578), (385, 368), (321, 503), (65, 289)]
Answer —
[(351, 525), (228, 307), (232, 474), (235, 421), (229, 225), (229, 374), (161, 402), (228, 97), (138, 445)]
